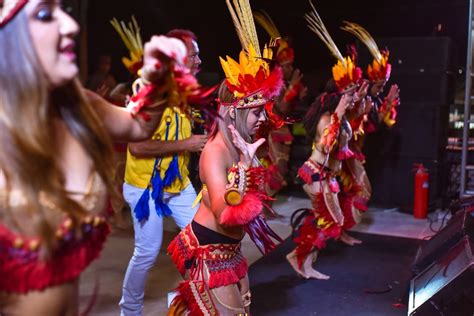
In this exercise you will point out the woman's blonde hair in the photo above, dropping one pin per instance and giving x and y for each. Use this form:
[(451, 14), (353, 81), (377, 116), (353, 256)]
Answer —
[(29, 156), (236, 117)]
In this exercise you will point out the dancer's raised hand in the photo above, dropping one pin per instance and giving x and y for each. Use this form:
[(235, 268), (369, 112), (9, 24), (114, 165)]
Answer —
[(158, 54), (247, 150)]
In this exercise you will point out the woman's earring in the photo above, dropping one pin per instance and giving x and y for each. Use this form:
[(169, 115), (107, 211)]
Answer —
[(232, 113)]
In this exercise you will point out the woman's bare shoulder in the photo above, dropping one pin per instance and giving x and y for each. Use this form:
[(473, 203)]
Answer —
[(216, 149), (214, 156)]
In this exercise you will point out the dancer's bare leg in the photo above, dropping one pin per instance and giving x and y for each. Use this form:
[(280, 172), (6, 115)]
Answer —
[(291, 257), (244, 287), (349, 240), (309, 271)]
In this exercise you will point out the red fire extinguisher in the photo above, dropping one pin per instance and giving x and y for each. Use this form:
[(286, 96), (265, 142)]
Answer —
[(420, 205)]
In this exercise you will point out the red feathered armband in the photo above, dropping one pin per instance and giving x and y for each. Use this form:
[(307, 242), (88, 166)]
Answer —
[(292, 92), (244, 197), (179, 88), (238, 215), (144, 96), (357, 125), (329, 138), (389, 111)]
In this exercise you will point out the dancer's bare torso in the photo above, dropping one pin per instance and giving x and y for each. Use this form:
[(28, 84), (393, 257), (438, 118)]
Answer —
[(77, 169), (213, 165)]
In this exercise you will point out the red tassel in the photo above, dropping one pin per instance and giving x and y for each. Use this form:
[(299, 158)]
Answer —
[(305, 173), (227, 276), (196, 297), (22, 273), (250, 207)]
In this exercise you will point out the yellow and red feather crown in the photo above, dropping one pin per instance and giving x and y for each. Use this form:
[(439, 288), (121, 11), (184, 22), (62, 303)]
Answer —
[(284, 53), (130, 35), (380, 69), (345, 72), (251, 80)]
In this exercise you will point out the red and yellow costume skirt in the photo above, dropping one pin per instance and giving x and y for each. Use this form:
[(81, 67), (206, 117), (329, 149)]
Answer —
[(210, 266)]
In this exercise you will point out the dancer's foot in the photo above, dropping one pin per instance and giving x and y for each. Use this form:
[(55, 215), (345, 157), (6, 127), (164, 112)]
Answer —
[(314, 274), (309, 271), (291, 258), (349, 240)]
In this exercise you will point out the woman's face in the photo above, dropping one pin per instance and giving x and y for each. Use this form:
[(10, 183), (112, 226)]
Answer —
[(377, 88), (255, 118), (353, 96), (53, 31)]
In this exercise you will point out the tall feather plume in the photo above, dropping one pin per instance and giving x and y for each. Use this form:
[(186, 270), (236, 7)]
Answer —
[(364, 37), (315, 24), (130, 35), (242, 17), (252, 30), (267, 23)]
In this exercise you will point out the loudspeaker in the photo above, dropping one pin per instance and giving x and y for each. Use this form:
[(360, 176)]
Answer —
[(426, 86), (421, 130), (420, 134), (446, 287), (460, 225)]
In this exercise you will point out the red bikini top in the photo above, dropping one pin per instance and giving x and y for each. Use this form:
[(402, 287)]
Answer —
[(23, 270)]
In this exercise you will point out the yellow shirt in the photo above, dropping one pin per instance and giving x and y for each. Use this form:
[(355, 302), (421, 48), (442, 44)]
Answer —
[(138, 170)]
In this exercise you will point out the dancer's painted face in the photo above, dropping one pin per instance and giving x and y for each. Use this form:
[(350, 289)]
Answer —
[(53, 31), (255, 118), (287, 70)]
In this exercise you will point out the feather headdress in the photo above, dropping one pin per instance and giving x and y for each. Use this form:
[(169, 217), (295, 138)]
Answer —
[(130, 35), (284, 53), (251, 80), (345, 72), (380, 69)]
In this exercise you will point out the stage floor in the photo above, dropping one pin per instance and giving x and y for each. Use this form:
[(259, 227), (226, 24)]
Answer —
[(109, 270), (371, 279)]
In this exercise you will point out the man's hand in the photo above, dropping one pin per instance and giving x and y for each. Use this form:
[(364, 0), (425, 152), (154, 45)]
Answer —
[(195, 143)]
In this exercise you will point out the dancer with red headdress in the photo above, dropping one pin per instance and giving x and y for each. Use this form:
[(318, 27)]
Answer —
[(356, 188), (233, 195), (330, 131), (280, 139)]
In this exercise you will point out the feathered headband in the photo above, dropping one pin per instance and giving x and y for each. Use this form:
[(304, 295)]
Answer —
[(380, 69), (284, 53), (250, 80), (8, 9), (345, 72), (132, 39)]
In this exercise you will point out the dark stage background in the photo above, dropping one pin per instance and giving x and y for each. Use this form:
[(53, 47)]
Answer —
[(211, 22)]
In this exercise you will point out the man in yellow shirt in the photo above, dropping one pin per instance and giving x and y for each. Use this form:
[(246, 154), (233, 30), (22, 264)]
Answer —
[(157, 185)]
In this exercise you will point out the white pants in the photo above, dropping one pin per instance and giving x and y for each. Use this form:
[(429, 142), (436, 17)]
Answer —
[(148, 238)]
